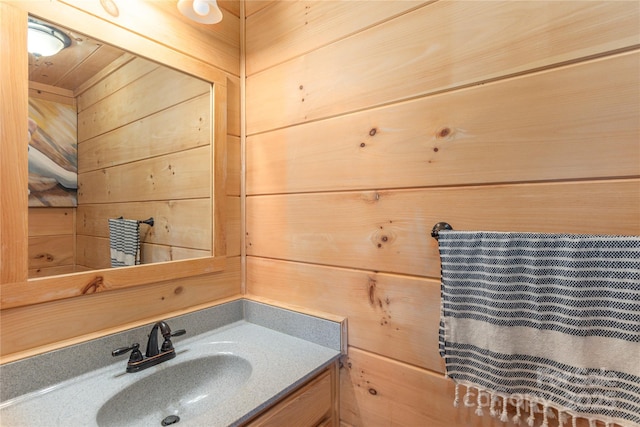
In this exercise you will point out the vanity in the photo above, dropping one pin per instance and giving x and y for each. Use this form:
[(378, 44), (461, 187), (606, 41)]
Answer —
[(241, 363)]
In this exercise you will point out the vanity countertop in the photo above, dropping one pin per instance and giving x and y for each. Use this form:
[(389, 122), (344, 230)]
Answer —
[(273, 357)]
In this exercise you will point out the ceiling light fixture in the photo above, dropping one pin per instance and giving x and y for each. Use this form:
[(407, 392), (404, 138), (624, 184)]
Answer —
[(202, 11), (45, 40)]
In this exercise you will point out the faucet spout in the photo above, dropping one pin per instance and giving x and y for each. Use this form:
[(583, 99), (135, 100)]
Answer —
[(152, 344), (154, 353)]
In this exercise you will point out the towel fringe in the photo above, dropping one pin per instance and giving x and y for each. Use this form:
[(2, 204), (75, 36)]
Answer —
[(574, 420), (562, 418), (505, 416), (532, 413), (456, 398), (545, 416), (467, 396), (479, 411), (492, 409), (516, 417)]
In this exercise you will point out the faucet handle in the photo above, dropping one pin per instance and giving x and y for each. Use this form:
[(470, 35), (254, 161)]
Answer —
[(136, 355), (167, 345)]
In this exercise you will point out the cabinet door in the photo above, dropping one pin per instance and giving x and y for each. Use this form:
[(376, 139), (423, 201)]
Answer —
[(309, 406)]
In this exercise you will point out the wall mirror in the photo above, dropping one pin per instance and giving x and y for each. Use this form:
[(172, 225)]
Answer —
[(143, 134), (115, 135)]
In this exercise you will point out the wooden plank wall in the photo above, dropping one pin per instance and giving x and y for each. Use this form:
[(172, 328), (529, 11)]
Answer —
[(32, 329), (51, 230), (369, 122), (51, 241), (145, 152)]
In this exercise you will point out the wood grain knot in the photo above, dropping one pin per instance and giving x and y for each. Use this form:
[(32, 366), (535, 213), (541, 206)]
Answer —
[(444, 132), (93, 286)]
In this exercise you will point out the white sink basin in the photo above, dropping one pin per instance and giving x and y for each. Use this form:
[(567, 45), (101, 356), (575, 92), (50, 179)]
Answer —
[(177, 393)]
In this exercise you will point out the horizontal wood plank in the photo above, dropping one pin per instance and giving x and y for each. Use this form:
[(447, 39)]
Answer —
[(466, 43), (254, 6), (217, 45), (378, 392), (389, 231), (91, 65), (51, 221), (51, 251), (39, 290), (121, 73), (184, 126), (94, 252), (182, 175), (95, 312), (51, 271), (391, 315), (185, 223), (553, 129), (290, 28), (140, 99)]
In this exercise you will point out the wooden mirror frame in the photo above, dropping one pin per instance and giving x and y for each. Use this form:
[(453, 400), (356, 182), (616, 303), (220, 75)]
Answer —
[(15, 288)]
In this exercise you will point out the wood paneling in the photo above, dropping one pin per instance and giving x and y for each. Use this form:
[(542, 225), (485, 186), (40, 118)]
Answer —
[(233, 226), (217, 45), (51, 221), (290, 28), (378, 392), (390, 230), (51, 251), (94, 252), (177, 222), (13, 145), (148, 153), (253, 6), (553, 129), (466, 42), (112, 79), (234, 166), (391, 315), (208, 52), (51, 241), (30, 327), (141, 99), (488, 115), (159, 178), (181, 127)]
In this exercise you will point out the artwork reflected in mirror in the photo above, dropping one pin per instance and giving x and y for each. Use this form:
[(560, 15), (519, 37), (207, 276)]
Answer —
[(53, 154), (114, 135)]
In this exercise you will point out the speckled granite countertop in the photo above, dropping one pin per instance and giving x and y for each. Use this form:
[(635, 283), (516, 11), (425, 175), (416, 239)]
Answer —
[(260, 352)]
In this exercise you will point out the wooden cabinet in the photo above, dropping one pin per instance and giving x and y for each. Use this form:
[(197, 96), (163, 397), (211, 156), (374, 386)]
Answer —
[(312, 405)]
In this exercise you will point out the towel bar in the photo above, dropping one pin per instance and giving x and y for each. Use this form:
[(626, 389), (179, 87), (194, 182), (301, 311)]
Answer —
[(438, 228), (149, 221)]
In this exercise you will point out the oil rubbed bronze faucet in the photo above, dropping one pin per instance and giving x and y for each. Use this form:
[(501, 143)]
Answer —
[(154, 355)]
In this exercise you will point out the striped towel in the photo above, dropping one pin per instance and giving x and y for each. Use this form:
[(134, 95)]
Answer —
[(124, 240), (531, 322)]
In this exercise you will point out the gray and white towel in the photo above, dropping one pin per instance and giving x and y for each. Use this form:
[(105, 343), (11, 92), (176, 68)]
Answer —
[(537, 321), (124, 241)]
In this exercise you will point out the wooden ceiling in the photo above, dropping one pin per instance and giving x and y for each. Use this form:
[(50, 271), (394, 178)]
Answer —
[(72, 66)]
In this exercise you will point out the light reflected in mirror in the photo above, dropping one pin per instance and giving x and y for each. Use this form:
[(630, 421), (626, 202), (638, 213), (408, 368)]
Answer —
[(144, 142)]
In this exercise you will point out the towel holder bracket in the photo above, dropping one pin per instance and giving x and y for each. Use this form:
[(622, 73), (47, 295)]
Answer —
[(438, 228), (149, 221)]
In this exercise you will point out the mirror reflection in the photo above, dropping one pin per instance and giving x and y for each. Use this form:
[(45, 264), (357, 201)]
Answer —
[(115, 140)]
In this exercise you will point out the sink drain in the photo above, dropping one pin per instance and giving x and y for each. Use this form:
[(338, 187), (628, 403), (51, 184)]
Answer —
[(171, 419)]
